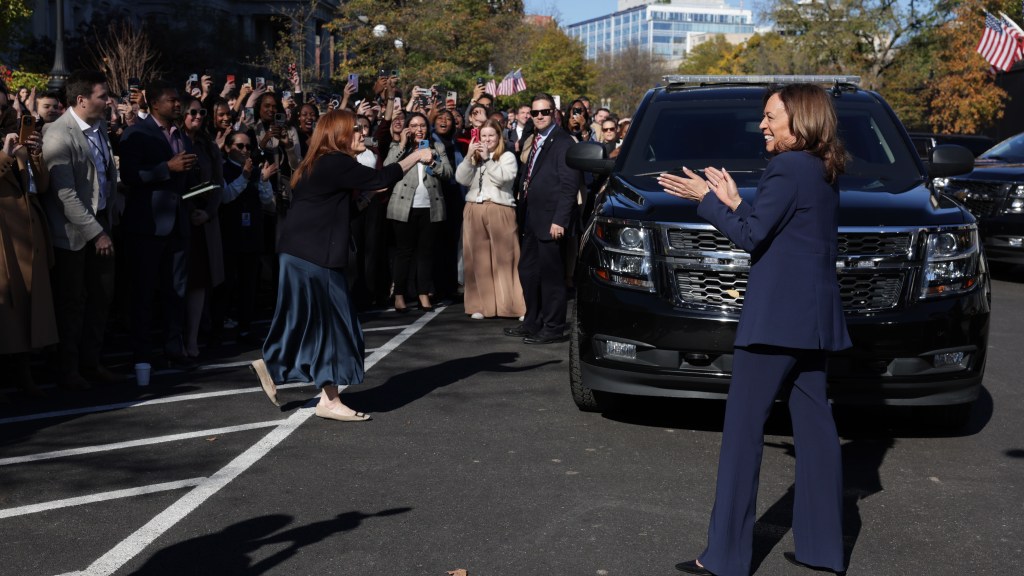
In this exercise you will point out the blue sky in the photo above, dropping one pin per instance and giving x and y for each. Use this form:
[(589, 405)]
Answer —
[(571, 11)]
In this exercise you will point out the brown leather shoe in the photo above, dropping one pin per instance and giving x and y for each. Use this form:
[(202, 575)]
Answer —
[(102, 375)]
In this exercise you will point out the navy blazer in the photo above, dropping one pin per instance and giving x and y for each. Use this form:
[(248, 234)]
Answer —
[(551, 197), (153, 203), (789, 229)]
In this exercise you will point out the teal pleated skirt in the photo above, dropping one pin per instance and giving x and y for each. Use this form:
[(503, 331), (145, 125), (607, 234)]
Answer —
[(315, 335)]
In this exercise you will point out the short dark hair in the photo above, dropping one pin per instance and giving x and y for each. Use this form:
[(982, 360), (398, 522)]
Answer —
[(488, 96), (156, 88), (544, 96), (81, 83), (50, 94)]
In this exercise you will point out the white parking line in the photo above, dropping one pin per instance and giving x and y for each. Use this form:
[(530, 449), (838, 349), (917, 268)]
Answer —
[(135, 443), (144, 536), (137, 403), (112, 495)]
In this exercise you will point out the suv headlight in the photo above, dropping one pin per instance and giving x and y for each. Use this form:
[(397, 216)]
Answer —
[(625, 254), (1015, 201), (940, 184), (950, 261)]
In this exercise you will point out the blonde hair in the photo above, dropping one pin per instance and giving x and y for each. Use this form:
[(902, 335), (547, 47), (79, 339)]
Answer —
[(499, 149)]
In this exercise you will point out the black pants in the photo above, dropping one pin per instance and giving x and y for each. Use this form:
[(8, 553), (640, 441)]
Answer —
[(241, 280), (159, 265), (414, 242), (370, 234), (542, 274), (83, 288)]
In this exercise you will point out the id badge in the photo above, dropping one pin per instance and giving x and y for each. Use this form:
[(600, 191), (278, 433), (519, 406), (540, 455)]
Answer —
[(246, 219)]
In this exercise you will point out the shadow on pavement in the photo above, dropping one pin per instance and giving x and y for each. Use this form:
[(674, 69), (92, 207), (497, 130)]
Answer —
[(407, 387), (229, 551)]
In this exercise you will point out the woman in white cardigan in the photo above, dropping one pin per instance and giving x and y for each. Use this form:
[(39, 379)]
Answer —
[(490, 241)]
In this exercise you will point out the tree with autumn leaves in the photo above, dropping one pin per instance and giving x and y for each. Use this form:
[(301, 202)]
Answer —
[(921, 57)]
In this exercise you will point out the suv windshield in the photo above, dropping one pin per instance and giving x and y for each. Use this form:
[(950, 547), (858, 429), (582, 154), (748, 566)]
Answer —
[(723, 132), (1009, 150)]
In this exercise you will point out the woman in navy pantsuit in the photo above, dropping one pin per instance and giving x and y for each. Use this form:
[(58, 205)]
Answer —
[(792, 318), (315, 334)]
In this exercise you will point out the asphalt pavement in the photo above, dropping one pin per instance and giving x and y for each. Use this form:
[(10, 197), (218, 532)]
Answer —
[(477, 458)]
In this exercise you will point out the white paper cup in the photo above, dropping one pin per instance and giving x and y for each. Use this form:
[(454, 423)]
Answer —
[(142, 371)]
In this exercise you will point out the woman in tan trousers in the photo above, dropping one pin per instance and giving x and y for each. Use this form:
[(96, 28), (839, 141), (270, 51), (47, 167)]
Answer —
[(490, 244)]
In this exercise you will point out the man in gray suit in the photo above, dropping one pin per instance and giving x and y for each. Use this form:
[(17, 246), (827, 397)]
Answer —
[(83, 179)]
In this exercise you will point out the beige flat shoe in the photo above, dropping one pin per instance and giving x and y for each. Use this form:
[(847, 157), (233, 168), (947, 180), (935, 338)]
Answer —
[(259, 368), (325, 412)]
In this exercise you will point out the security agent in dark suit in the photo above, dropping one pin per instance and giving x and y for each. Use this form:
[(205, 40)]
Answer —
[(792, 318), (547, 201), (157, 166)]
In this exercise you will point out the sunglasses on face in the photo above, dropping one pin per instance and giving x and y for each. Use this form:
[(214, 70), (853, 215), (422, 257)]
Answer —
[(201, 112), (577, 110), (544, 112), (241, 146), (612, 129)]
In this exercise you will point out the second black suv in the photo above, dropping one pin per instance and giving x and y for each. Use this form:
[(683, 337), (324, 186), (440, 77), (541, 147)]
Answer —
[(994, 193), (659, 290)]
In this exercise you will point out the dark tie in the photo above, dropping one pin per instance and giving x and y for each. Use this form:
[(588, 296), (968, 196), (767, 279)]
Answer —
[(529, 163)]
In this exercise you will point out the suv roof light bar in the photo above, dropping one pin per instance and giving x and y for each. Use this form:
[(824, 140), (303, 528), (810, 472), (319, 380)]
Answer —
[(676, 79)]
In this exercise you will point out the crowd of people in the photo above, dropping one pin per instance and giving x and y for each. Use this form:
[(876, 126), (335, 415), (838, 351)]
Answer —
[(166, 204)]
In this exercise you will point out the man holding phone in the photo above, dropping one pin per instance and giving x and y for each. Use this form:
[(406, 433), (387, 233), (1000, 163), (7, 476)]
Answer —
[(80, 207), (157, 166)]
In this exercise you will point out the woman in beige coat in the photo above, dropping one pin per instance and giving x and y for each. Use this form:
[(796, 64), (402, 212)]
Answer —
[(27, 320), (490, 243)]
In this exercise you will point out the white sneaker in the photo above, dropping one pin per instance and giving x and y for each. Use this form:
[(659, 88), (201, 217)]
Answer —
[(521, 318), (477, 316)]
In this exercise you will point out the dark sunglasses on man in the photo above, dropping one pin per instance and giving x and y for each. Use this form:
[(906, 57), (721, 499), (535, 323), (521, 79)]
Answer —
[(544, 112)]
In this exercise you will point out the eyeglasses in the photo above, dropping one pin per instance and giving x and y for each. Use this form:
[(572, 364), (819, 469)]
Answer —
[(241, 146), (577, 110), (544, 112), (612, 129), (364, 128), (197, 112)]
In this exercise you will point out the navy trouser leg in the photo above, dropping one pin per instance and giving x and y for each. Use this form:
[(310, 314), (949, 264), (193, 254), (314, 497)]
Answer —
[(818, 506), (756, 379)]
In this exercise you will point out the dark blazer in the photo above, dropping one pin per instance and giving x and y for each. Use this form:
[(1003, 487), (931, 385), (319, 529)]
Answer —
[(317, 227), (551, 197), (153, 204), (789, 229)]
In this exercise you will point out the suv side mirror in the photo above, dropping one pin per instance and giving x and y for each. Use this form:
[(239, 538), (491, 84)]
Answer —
[(589, 157), (950, 160)]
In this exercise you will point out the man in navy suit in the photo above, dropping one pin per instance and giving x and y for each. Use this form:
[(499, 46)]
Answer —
[(548, 202), (157, 166), (792, 318)]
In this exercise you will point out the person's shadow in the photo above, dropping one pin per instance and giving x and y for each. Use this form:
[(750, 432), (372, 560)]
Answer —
[(229, 551), (407, 387), (862, 460)]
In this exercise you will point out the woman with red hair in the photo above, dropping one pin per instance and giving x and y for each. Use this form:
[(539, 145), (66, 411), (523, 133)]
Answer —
[(315, 335)]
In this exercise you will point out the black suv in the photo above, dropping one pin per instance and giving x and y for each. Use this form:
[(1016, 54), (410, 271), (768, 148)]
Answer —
[(994, 193), (659, 290)]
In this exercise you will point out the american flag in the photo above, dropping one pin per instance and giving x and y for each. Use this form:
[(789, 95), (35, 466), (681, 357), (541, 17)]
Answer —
[(518, 83), (506, 88), (998, 46), (491, 88)]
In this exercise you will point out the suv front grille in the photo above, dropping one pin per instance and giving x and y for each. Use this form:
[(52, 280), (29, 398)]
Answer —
[(860, 292), (871, 244), (700, 283), (700, 241), (982, 198)]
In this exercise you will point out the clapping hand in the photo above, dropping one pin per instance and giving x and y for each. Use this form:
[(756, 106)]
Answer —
[(268, 170), (688, 187), (724, 186)]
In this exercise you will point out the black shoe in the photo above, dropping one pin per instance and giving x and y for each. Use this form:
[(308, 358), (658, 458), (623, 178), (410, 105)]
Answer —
[(518, 331), (691, 567), (791, 557), (538, 339)]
